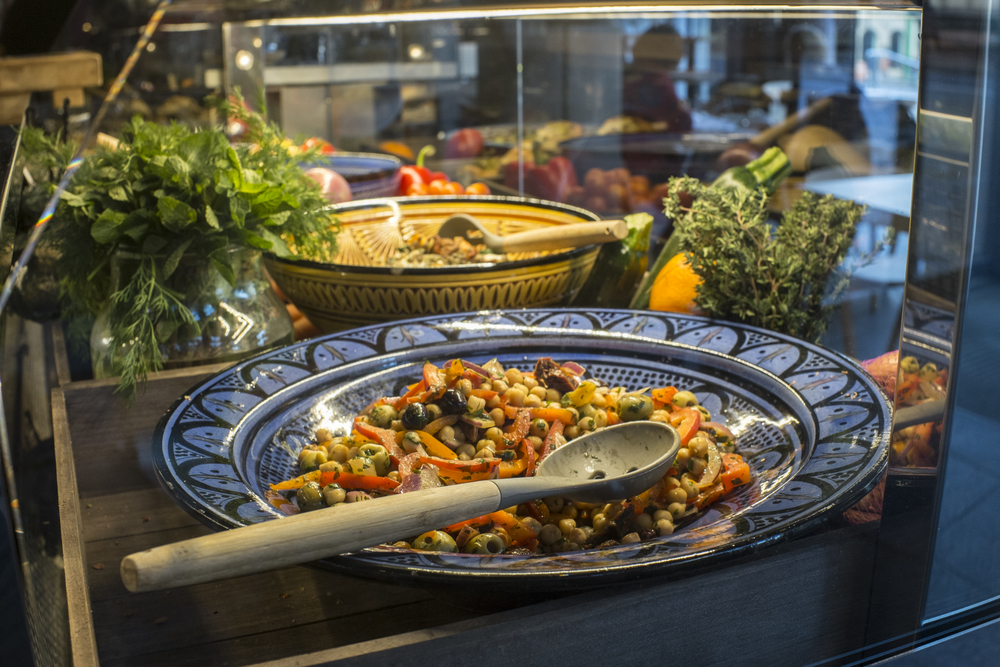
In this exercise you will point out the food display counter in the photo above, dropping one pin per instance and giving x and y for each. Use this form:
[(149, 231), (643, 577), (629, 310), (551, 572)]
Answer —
[(231, 302)]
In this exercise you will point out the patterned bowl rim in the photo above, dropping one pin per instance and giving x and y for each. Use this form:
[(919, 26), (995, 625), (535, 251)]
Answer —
[(378, 202), (425, 568), (392, 165)]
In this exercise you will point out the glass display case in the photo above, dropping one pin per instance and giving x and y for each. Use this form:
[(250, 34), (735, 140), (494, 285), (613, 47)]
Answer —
[(589, 110)]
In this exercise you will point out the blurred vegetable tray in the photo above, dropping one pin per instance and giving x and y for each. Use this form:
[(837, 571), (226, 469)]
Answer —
[(110, 506)]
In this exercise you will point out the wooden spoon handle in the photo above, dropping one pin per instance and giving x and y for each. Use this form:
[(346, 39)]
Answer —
[(768, 136), (557, 237), (305, 537)]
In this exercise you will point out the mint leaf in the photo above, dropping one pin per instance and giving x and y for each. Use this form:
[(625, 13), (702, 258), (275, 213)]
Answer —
[(278, 246), (221, 263), (107, 227), (118, 193), (174, 259), (238, 208), (175, 214), (211, 218)]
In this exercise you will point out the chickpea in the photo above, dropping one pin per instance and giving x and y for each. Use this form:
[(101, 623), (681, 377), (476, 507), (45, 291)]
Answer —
[(631, 538), (530, 383), (537, 391), (513, 376), (570, 511), (600, 522), (446, 433), (382, 416), (352, 452), (588, 410), (475, 404), (664, 527), (396, 425), (484, 453), (699, 446), (549, 534), (697, 466), (539, 427), (333, 494), (660, 515), (588, 424), (683, 456), (600, 419), (498, 416), (493, 403), (689, 486), (486, 386), (567, 526), (515, 397), (644, 522), (536, 442), (672, 483), (579, 535), (433, 412), (599, 401), (411, 441), (576, 413), (494, 434), (552, 395), (499, 386), (677, 495), (661, 416), (339, 453), (676, 510), (532, 523), (684, 399), (532, 401), (323, 434), (572, 432), (555, 504), (612, 510), (483, 444)]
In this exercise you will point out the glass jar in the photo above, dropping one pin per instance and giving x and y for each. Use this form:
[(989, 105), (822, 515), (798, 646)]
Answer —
[(231, 322)]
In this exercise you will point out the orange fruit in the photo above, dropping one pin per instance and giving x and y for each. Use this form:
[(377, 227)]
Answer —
[(675, 287)]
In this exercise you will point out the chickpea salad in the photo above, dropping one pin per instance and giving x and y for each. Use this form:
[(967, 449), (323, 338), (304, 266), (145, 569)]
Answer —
[(438, 251), (464, 423)]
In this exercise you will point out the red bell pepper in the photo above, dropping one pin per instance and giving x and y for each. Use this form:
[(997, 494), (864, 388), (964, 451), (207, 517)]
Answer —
[(411, 177), (550, 439), (464, 143), (686, 421), (551, 181), (384, 436)]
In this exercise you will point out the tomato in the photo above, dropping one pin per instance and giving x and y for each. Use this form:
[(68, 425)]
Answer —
[(417, 190), (686, 421), (324, 147), (437, 187), (453, 188), (477, 189), (464, 143)]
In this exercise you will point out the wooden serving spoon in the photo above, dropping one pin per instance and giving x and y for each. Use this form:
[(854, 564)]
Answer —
[(615, 462), (554, 237)]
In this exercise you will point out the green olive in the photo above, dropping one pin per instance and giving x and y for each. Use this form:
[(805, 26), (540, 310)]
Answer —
[(706, 416), (633, 408), (909, 365), (362, 466), (309, 497), (382, 416), (684, 399), (435, 540), (484, 543), (378, 454), (333, 494), (312, 460)]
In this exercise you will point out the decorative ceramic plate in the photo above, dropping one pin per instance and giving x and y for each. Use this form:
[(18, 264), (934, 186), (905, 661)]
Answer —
[(812, 424)]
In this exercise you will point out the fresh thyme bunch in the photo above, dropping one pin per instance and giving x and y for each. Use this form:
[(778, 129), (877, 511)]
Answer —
[(775, 279), (166, 192)]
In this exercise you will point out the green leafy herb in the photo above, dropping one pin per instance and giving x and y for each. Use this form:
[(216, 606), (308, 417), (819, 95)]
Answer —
[(167, 192), (776, 279)]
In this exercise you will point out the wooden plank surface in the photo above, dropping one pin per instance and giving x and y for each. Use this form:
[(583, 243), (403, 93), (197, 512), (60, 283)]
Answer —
[(122, 510), (25, 74)]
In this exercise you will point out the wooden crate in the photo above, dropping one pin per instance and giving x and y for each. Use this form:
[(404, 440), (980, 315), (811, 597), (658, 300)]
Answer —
[(791, 604)]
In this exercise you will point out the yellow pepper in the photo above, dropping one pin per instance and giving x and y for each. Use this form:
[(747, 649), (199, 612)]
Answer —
[(583, 394)]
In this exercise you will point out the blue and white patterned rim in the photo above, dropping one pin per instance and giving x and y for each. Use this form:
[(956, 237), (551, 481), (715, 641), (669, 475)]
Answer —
[(813, 424)]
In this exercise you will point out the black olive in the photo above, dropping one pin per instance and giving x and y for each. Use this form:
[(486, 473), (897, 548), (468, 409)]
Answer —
[(414, 417), (453, 402)]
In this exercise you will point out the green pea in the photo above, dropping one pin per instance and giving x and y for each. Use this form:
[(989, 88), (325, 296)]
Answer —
[(435, 540), (378, 454), (634, 408), (485, 543), (382, 416), (310, 497)]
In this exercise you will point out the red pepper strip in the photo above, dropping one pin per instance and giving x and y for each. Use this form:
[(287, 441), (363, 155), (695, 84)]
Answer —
[(705, 499), (686, 421), (641, 502), (459, 477), (736, 473), (414, 391), (663, 396), (613, 418), (518, 430), (473, 465), (531, 456), (351, 481), (520, 534), (483, 520), (550, 440), (484, 394), (297, 482), (531, 507), (384, 436)]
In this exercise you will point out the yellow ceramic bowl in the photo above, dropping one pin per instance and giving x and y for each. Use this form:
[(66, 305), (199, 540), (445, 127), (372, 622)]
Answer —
[(356, 288)]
